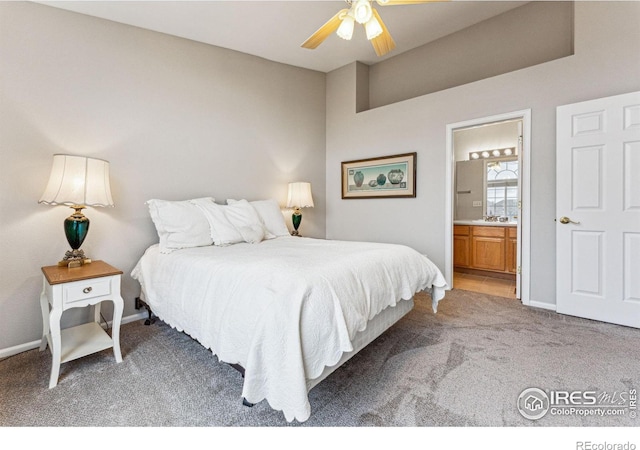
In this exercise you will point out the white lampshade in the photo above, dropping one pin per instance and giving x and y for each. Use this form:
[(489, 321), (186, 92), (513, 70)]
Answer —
[(345, 30), (299, 195), (77, 180), (373, 28)]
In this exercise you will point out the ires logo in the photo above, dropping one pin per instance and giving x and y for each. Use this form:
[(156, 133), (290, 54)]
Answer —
[(535, 403), (574, 398)]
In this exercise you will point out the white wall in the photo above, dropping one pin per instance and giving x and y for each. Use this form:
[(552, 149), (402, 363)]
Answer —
[(606, 62), (175, 118)]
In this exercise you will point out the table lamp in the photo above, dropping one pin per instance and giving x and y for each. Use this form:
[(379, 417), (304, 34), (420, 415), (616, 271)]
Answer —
[(78, 182), (299, 197)]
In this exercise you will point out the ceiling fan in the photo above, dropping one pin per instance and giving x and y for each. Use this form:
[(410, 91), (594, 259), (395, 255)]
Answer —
[(362, 12)]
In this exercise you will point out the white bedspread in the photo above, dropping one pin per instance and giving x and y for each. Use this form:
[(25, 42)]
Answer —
[(284, 308)]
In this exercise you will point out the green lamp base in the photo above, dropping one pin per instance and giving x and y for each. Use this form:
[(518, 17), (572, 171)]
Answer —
[(76, 227), (296, 218)]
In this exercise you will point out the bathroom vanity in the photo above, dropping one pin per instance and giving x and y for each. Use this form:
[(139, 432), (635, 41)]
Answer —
[(485, 246)]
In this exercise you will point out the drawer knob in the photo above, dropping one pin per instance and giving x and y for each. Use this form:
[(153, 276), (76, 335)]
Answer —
[(87, 290)]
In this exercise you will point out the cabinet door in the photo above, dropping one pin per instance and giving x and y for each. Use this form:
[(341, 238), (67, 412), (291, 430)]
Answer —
[(488, 253), (512, 249), (461, 251)]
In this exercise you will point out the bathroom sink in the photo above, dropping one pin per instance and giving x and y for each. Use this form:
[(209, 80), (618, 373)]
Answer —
[(493, 222)]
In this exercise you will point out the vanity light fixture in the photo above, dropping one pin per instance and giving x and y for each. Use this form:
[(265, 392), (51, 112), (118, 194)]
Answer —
[(497, 153)]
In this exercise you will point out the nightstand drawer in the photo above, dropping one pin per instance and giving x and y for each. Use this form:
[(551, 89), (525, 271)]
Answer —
[(83, 290)]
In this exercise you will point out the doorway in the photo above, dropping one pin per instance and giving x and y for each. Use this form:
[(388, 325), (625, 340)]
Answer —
[(488, 201)]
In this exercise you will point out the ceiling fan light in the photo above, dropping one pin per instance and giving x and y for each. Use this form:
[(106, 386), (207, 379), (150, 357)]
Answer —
[(345, 30), (373, 28), (362, 11)]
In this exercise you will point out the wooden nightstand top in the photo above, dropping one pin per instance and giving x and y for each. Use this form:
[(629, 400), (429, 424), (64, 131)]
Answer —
[(96, 269)]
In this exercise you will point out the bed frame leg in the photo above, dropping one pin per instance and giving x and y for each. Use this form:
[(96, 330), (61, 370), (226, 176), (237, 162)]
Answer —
[(240, 369), (141, 304)]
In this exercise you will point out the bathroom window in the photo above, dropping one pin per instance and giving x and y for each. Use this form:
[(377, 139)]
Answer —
[(502, 188)]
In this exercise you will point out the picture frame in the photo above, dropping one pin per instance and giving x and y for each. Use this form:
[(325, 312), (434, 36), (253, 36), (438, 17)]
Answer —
[(391, 176)]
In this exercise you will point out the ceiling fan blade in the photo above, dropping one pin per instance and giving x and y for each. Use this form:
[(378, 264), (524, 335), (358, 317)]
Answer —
[(384, 43), (324, 31), (405, 2)]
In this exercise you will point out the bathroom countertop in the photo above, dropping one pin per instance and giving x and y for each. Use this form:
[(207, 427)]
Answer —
[(484, 223)]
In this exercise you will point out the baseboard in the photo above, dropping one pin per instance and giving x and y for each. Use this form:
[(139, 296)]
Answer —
[(542, 305), (6, 352)]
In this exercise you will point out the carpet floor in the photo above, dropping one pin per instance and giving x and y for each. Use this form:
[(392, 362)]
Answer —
[(462, 367)]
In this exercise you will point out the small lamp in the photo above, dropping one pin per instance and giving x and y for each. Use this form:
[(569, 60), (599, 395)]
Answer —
[(78, 182), (299, 197)]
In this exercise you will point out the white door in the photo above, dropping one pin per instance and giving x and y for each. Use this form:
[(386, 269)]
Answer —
[(598, 209), (521, 187)]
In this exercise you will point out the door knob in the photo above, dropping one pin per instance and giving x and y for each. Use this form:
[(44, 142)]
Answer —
[(566, 220)]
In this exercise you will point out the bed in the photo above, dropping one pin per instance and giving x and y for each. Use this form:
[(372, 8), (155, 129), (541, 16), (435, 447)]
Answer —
[(285, 310)]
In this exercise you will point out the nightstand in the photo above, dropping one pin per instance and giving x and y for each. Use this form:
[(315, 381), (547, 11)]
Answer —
[(65, 288)]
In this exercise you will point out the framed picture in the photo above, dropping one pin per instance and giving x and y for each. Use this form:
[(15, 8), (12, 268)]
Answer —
[(384, 177)]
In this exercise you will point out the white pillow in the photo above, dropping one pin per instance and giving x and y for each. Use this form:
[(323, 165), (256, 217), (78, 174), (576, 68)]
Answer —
[(234, 223), (221, 230), (252, 235), (246, 220), (271, 216), (180, 224)]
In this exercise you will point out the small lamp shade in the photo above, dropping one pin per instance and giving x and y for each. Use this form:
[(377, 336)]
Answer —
[(78, 182), (373, 28), (345, 30), (299, 197)]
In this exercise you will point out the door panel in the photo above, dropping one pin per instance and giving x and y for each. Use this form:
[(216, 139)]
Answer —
[(587, 265), (598, 209), (461, 251), (586, 186), (487, 253), (632, 267), (631, 178)]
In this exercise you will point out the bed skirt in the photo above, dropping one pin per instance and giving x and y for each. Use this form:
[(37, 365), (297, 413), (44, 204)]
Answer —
[(376, 326)]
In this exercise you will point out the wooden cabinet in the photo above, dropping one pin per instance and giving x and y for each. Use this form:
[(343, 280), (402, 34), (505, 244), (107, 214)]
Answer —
[(461, 246), (489, 248), (512, 250)]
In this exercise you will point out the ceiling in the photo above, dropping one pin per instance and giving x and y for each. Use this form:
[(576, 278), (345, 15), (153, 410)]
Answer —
[(274, 30)]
